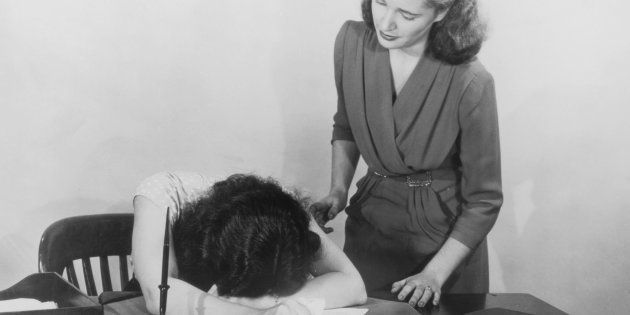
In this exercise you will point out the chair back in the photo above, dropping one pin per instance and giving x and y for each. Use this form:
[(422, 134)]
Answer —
[(83, 237)]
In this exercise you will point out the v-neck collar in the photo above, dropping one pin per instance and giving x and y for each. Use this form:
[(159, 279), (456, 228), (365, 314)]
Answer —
[(396, 94), (384, 129), (380, 90), (383, 113), (420, 79), (378, 106)]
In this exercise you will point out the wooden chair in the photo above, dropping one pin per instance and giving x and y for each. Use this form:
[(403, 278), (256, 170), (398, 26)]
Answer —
[(82, 237)]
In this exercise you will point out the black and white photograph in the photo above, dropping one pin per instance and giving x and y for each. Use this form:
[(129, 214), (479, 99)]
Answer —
[(336, 157)]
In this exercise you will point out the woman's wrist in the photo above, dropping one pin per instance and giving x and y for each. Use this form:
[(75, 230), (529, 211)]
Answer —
[(447, 259), (339, 191), (262, 302), (439, 273)]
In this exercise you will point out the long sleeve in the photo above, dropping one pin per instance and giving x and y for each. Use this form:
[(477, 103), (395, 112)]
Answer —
[(481, 163), (341, 127)]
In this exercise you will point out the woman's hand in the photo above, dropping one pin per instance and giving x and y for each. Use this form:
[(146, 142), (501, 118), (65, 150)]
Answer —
[(327, 208), (423, 286), (269, 305), (288, 307), (263, 302)]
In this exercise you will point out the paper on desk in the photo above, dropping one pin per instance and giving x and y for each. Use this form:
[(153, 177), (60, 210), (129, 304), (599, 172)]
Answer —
[(17, 305)]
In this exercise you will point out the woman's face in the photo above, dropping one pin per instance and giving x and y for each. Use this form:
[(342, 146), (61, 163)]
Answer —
[(403, 24)]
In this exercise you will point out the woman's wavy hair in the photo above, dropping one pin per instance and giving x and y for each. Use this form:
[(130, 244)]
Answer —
[(455, 39), (248, 236)]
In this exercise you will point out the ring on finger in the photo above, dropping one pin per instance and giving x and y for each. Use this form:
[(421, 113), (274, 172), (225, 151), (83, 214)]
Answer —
[(428, 288)]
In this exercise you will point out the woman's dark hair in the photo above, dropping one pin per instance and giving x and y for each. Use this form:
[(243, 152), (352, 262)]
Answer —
[(248, 236), (455, 39)]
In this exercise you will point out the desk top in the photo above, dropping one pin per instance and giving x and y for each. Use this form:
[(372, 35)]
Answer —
[(451, 304), (499, 303), (50, 286)]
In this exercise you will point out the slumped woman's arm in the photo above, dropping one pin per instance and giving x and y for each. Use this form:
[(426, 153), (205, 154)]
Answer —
[(183, 298), (336, 279)]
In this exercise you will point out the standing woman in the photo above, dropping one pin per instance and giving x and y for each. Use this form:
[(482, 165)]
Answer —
[(417, 105)]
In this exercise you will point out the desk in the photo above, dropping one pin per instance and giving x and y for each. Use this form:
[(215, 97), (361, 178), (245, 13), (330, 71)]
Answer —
[(451, 304), (51, 287), (500, 303)]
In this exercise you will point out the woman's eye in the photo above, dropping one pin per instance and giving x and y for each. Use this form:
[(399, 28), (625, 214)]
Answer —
[(409, 17), (380, 2)]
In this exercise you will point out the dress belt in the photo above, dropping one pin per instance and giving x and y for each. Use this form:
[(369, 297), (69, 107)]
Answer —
[(420, 179)]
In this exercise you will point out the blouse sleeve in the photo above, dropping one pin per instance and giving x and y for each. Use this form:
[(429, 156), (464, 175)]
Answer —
[(341, 127), (173, 190), (481, 163)]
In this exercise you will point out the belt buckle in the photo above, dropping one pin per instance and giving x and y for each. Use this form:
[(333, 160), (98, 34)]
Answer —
[(419, 182)]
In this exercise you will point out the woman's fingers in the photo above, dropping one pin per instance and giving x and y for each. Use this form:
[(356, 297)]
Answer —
[(319, 212), (422, 294), (427, 292), (333, 210), (405, 291), (397, 285), (316, 210), (436, 298), (417, 294), (323, 211)]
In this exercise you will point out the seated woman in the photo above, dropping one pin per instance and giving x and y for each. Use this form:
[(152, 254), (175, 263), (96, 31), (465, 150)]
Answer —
[(246, 236)]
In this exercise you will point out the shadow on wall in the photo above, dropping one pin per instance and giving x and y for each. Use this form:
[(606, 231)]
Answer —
[(558, 236), (19, 248)]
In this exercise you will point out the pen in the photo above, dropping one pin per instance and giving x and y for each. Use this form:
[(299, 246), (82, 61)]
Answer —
[(164, 286)]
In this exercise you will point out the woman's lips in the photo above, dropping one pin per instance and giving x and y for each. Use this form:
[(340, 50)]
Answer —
[(387, 37)]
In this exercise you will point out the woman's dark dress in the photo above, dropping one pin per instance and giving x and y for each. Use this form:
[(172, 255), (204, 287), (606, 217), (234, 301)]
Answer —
[(445, 121)]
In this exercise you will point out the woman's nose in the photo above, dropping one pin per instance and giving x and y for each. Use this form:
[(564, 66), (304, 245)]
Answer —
[(387, 23)]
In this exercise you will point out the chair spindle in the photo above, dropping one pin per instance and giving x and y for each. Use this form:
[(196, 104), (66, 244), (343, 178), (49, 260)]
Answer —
[(87, 275), (124, 274), (105, 277), (72, 275)]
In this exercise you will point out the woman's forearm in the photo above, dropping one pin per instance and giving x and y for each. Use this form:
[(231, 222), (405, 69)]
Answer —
[(345, 156), (452, 253), (184, 299), (336, 288), (336, 280)]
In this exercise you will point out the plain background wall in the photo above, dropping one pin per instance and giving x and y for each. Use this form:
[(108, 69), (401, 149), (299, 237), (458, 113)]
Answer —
[(97, 95)]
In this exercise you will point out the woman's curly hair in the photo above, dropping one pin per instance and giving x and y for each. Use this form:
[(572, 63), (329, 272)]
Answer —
[(455, 39), (248, 236)]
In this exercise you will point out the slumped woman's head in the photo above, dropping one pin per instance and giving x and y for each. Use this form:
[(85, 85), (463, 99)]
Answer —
[(248, 236), (456, 38)]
